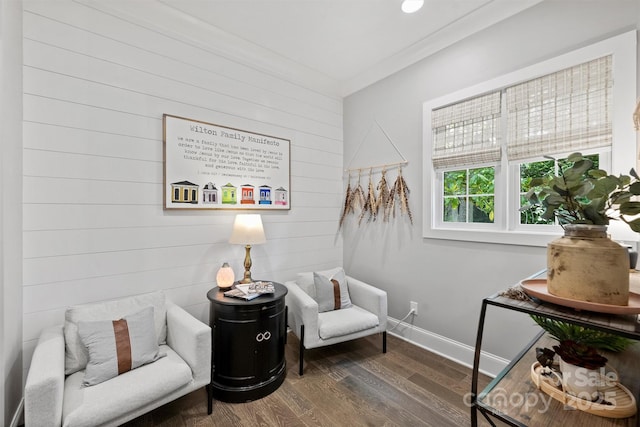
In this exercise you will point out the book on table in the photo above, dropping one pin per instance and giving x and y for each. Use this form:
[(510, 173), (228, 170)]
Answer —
[(249, 291)]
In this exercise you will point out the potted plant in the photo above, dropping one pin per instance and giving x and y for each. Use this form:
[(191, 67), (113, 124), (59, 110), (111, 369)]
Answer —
[(580, 194), (585, 264), (581, 363)]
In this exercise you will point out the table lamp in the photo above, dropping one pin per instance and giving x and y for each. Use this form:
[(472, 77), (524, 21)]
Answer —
[(247, 230)]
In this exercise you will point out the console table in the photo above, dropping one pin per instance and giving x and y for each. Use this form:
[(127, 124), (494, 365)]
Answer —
[(513, 398), (247, 345)]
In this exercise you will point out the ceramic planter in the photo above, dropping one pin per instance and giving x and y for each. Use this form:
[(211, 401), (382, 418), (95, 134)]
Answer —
[(586, 265), (581, 382)]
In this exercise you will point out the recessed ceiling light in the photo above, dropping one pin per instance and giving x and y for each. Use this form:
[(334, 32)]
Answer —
[(410, 6)]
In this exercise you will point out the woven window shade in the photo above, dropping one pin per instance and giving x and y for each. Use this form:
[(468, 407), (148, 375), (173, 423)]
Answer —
[(467, 132), (563, 112)]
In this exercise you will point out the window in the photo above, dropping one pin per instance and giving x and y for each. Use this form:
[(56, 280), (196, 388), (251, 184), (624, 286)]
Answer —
[(566, 110), (541, 169), (486, 143), (468, 195)]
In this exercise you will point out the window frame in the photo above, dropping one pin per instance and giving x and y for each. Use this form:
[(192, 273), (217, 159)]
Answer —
[(514, 195), (506, 228), (439, 201)]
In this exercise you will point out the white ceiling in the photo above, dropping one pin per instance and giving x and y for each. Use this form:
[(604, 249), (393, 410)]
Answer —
[(348, 44)]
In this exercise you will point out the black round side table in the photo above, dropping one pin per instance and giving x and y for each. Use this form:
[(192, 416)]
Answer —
[(247, 344)]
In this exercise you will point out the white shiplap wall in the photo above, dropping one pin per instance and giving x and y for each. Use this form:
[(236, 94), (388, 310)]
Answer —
[(96, 85)]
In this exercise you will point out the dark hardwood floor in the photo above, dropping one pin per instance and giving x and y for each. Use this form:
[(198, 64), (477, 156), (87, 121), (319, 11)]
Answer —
[(348, 384)]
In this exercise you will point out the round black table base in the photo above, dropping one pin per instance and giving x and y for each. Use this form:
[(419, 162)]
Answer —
[(228, 394)]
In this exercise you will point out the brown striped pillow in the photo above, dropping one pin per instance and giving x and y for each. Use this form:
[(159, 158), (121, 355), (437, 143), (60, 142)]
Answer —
[(332, 292), (118, 346)]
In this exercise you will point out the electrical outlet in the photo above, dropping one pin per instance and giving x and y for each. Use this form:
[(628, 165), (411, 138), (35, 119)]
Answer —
[(414, 306)]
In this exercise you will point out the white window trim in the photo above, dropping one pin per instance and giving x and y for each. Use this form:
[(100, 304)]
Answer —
[(438, 204), (623, 152), (514, 191)]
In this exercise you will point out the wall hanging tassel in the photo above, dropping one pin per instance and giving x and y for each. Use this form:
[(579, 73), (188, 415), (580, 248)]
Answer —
[(389, 207), (348, 207), (383, 194), (357, 196), (399, 190), (370, 201)]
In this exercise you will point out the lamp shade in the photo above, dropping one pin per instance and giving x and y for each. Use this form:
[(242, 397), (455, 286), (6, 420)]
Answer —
[(225, 276), (247, 230)]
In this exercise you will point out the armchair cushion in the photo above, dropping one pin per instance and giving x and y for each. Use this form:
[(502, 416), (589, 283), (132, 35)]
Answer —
[(76, 354), (96, 405), (118, 346), (338, 323), (332, 292)]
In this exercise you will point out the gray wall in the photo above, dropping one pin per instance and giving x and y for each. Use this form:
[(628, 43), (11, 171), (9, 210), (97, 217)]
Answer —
[(449, 278)]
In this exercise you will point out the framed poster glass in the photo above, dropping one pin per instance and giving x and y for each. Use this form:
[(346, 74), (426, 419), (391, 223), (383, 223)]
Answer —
[(208, 166)]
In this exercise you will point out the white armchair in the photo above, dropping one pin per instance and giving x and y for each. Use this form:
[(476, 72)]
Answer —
[(56, 398), (367, 315)]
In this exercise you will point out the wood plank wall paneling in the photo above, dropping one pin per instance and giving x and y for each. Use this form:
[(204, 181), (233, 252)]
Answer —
[(95, 88)]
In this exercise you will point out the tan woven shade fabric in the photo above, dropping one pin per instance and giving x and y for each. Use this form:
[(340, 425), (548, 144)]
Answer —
[(562, 112), (467, 132)]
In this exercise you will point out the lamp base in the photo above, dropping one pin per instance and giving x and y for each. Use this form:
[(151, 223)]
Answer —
[(247, 265)]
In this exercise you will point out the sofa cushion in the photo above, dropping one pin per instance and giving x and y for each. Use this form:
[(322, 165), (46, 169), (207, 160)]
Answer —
[(118, 346), (306, 283), (96, 405), (331, 292), (76, 355), (337, 323)]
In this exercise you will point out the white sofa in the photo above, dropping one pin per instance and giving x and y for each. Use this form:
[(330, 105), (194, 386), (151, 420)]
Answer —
[(367, 315), (55, 399)]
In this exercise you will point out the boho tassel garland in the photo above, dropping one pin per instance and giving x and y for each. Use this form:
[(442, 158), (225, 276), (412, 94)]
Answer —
[(368, 205), (383, 205)]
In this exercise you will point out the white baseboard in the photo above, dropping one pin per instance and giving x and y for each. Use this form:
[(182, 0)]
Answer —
[(463, 354)]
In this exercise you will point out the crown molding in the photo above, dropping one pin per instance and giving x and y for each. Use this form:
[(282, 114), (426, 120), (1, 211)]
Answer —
[(476, 20), (159, 16)]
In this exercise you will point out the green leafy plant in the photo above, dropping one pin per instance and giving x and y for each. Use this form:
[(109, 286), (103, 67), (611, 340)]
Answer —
[(580, 194), (563, 331), (580, 355), (579, 345)]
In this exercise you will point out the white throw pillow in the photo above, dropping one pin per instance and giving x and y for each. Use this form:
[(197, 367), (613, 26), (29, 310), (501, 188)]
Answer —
[(76, 355), (332, 293), (306, 283), (118, 346)]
